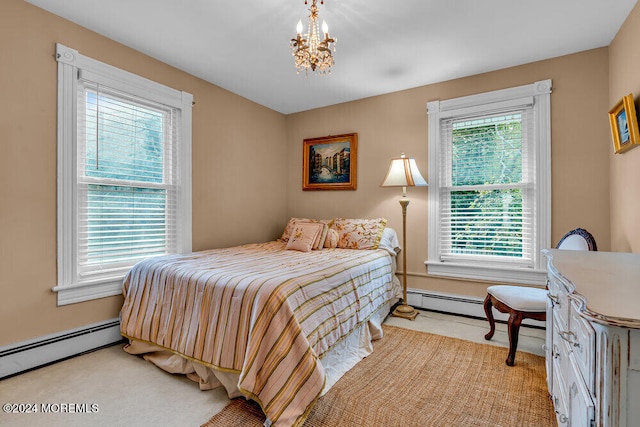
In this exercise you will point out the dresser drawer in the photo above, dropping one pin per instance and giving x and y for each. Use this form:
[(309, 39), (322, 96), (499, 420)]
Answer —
[(580, 405), (559, 396), (561, 348), (584, 345), (559, 297)]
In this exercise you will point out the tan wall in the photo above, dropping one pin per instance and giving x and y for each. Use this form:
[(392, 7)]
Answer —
[(390, 124), (624, 62), (237, 146)]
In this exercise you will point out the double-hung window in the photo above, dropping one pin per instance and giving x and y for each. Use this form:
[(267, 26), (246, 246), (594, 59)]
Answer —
[(124, 182), (489, 185)]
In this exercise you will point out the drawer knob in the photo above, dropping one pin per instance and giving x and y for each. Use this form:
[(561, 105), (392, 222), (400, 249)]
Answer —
[(566, 335), (562, 418)]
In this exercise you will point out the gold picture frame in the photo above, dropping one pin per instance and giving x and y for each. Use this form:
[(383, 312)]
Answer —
[(329, 162), (624, 125)]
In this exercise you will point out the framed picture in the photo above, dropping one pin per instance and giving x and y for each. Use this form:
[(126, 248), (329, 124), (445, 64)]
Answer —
[(624, 125), (329, 162)]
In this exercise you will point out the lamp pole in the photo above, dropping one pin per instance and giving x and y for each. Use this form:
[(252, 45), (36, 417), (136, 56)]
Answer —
[(404, 310)]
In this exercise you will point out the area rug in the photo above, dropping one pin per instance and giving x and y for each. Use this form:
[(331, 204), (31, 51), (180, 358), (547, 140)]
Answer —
[(421, 379)]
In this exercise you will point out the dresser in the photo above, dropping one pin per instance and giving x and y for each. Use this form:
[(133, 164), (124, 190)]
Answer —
[(593, 337)]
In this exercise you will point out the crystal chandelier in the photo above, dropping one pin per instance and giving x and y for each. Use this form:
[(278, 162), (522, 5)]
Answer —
[(313, 52)]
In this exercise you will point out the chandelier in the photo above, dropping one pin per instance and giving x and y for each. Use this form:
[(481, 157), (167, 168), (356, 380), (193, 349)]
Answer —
[(313, 51)]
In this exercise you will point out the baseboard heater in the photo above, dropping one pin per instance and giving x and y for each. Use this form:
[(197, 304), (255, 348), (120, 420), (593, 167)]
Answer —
[(457, 304), (31, 354)]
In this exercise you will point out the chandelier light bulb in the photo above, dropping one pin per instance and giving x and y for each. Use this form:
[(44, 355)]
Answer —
[(299, 27), (325, 27)]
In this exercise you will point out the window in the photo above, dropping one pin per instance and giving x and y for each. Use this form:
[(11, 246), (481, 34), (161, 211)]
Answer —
[(124, 183), (489, 178)]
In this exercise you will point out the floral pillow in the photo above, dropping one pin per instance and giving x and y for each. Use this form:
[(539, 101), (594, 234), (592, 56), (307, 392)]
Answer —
[(289, 228), (304, 235), (292, 221), (359, 233)]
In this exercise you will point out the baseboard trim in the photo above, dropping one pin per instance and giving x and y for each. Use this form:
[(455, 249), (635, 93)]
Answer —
[(457, 304), (41, 351)]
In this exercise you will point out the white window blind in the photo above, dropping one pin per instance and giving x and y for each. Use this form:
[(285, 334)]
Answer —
[(124, 174), (486, 188), (490, 185), (127, 167)]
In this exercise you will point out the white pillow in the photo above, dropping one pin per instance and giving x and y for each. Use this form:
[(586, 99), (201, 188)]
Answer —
[(389, 241)]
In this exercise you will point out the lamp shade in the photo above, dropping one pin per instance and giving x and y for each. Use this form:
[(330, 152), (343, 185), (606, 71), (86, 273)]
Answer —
[(403, 172)]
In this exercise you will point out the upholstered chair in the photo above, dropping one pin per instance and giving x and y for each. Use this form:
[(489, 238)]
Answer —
[(522, 302)]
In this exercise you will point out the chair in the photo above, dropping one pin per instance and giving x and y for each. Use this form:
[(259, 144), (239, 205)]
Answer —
[(528, 303)]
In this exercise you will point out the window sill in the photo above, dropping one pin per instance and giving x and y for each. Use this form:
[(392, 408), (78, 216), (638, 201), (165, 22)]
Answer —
[(75, 293), (525, 276)]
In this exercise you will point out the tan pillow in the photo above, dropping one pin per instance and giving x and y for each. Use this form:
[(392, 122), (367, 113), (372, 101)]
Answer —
[(304, 235), (332, 239), (359, 233)]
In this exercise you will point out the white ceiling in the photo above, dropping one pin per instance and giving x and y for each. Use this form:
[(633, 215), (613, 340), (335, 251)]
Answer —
[(382, 46)]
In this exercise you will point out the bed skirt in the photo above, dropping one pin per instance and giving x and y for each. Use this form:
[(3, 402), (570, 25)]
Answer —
[(335, 362)]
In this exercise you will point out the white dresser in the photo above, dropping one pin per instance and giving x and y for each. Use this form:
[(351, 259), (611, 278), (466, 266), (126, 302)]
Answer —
[(593, 337)]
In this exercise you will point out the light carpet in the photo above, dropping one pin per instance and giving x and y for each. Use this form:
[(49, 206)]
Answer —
[(420, 379)]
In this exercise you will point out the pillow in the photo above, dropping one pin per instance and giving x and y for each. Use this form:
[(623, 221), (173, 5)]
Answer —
[(289, 227), (304, 235), (389, 241), (332, 239), (319, 242), (359, 233), (322, 237)]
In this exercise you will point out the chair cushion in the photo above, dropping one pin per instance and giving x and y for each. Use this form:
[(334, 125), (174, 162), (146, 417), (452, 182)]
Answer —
[(520, 298), (574, 242)]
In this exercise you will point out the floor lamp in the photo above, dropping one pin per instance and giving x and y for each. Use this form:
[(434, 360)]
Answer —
[(403, 172)]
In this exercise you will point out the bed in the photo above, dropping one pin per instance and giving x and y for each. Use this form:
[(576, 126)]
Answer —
[(267, 321)]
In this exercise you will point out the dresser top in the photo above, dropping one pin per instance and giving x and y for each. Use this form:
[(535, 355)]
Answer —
[(607, 283)]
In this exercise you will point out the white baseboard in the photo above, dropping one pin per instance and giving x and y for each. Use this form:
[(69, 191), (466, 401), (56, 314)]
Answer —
[(26, 355), (457, 304)]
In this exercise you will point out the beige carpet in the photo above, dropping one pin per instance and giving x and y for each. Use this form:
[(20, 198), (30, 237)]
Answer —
[(437, 381)]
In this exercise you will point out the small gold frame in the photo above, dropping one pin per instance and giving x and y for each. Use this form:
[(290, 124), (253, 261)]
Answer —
[(624, 125)]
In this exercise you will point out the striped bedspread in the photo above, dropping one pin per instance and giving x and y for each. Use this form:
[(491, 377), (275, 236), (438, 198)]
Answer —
[(258, 310)]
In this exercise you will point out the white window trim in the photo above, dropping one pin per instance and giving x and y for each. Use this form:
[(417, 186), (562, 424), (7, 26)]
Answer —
[(70, 62), (486, 271)]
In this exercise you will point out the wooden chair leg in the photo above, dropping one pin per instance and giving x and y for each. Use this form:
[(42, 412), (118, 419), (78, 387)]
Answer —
[(488, 304), (515, 319)]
